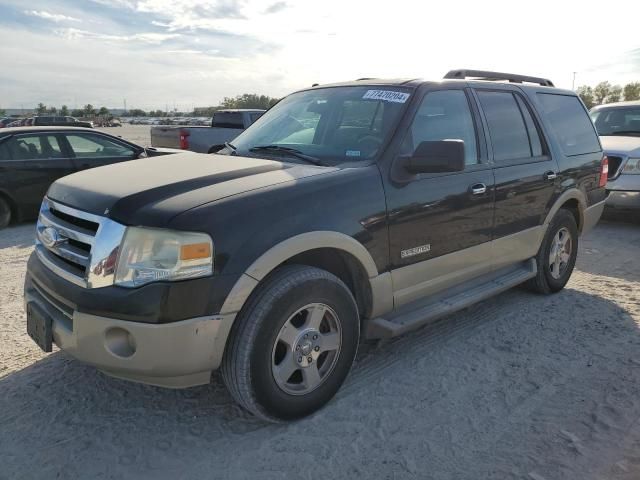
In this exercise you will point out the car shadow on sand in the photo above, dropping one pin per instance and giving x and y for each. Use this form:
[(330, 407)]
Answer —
[(60, 418), (612, 249)]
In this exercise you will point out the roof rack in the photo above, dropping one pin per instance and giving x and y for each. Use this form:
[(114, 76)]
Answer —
[(497, 76)]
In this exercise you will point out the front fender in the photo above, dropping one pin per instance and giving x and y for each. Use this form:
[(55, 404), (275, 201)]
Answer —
[(287, 249)]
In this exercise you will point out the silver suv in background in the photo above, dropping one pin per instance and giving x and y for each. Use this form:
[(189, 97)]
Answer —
[(618, 126)]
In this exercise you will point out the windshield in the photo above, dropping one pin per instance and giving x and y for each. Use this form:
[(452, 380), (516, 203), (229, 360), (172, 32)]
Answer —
[(332, 125), (617, 121)]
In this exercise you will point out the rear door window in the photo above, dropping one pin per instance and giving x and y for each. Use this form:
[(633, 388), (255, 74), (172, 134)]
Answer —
[(507, 128), (532, 130), (34, 147), (570, 122), (228, 120)]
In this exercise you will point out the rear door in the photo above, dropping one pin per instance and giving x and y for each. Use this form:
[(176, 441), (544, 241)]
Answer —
[(440, 224), (31, 162), (91, 150), (525, 173)]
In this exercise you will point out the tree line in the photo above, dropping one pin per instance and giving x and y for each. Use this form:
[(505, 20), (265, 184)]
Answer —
[(604, 92), (246, 100), (86, 111)]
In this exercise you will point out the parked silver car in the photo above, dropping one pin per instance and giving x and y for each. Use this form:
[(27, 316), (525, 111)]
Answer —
[(618, 125)]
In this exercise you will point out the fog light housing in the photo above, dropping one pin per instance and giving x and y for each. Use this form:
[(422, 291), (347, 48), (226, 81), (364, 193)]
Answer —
[(120, 342)]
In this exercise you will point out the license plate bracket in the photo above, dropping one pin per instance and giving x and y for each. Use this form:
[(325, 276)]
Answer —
[(40, 326)]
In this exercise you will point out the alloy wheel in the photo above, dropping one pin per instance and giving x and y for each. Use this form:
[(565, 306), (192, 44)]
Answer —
[(306, 349)]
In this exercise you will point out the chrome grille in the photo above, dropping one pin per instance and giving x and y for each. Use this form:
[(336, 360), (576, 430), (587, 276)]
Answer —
[(80, 247)]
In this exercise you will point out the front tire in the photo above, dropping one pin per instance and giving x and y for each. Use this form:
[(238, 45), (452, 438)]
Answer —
[(293, 344), (557, 255)]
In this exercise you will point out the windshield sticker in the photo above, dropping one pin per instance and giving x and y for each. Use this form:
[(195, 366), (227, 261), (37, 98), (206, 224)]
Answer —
[(352, 153), (386, 96)]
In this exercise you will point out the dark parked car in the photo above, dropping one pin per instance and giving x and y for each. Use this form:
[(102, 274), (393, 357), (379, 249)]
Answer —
[(6, 121), (20, 122), (51, 121), (361, 209), (31, 158)]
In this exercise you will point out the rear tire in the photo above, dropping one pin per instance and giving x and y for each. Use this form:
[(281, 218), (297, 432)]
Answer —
[(5, 213), (557, 255), (292, 345)]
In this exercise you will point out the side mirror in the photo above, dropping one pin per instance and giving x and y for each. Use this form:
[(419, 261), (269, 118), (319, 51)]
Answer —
[(439, 156)]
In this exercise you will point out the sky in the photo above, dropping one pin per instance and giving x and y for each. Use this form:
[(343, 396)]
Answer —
[(186, 53)]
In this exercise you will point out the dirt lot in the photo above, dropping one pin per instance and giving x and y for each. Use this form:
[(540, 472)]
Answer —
[(520, 386), (140, 134)]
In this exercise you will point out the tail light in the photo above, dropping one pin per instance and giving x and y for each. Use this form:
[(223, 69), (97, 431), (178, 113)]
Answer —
[(184, 140), (604, 172)]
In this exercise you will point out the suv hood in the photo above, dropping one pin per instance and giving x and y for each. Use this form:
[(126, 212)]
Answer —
[(151, 191), (618, 144)]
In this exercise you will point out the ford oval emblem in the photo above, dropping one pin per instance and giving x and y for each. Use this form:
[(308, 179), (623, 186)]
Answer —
[(51, 238)]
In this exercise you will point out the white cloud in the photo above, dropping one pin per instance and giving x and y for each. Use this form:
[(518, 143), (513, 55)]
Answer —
[(199, 51), (54, 17), (149, 38)]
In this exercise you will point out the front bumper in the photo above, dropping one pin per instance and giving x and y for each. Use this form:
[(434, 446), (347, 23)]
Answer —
[(624, 192), (175, 354), (624, 200)]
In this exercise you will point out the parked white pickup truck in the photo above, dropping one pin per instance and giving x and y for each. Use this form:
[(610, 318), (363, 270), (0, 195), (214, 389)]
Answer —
[(225, 126)]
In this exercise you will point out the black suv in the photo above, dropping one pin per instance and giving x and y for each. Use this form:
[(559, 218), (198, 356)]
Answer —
[(357, 210)]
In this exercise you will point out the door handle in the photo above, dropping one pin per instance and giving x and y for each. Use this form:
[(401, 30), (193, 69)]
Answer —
[(478, 189), (550, 175)]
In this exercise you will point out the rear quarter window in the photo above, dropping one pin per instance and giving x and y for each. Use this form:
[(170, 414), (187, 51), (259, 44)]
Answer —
[(227, 120), (570, 123)]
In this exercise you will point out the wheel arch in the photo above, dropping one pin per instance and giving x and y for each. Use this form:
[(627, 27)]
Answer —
[(573, 200), (335, 252)]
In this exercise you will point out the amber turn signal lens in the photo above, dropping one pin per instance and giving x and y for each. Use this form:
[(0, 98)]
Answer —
[(195, 251)]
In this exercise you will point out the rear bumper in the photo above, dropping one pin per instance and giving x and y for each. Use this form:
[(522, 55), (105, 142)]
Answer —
[(175, 355)]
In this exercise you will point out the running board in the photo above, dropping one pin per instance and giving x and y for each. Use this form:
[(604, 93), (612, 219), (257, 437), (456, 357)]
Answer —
[(414, 316)]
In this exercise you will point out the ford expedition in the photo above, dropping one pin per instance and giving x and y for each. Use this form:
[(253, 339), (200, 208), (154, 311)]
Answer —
[(364, 209)]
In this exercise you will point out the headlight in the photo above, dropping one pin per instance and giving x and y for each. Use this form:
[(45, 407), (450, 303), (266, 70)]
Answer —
[(148, 255), (632, 166)]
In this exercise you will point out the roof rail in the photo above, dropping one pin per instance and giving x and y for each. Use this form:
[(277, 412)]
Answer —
[(497, 76), (365, 78)]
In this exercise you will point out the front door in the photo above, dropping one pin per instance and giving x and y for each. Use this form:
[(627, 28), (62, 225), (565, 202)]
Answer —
[(94, 150), (440, 225), (525, 174)]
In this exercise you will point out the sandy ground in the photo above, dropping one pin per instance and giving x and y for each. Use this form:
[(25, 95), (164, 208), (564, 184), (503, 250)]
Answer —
[(519, 387), (140, 134)]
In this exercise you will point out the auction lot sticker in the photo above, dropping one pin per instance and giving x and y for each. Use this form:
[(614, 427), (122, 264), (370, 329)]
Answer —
[(386, 96)]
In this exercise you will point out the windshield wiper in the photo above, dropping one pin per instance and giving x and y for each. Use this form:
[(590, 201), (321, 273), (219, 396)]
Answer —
[(287, 151)]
